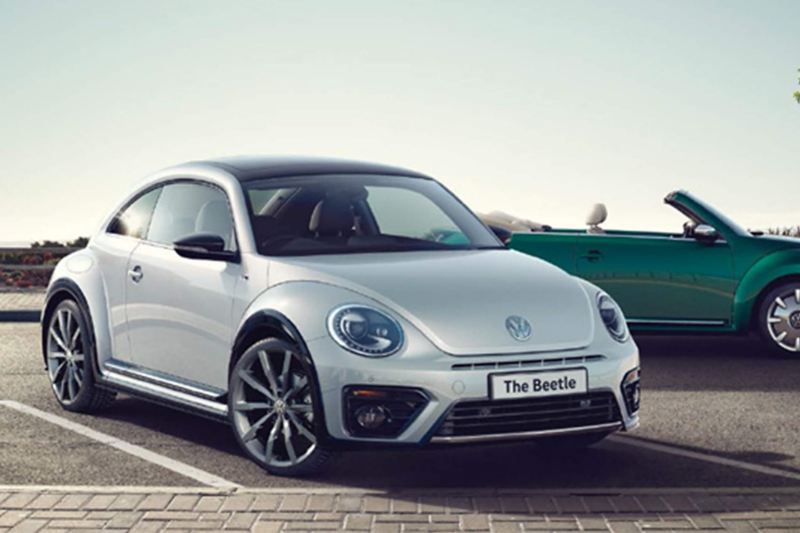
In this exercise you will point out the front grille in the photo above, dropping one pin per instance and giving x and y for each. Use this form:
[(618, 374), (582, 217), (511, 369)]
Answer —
[(488, 417), (506, 364)]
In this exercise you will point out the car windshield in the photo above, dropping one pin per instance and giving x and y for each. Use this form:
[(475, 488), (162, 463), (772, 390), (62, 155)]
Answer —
[(723, 218), (336, 214)]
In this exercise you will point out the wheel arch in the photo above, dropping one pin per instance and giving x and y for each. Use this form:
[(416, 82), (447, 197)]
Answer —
[(272, 323), (79, 277), (60, 290), (766, 290), (763, 276), (262, 324)]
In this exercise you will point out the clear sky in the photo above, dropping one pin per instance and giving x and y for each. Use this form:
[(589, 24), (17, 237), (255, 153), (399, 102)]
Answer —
[(535, 108)]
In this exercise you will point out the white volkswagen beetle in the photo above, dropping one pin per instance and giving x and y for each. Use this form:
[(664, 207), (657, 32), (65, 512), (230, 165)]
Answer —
[(316, 304)]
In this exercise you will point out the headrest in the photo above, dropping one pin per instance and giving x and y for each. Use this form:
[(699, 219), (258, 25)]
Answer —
[(332, 216), (597, 215), (215, 218)]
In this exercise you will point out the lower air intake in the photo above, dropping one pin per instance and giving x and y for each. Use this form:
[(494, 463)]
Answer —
[(497, 417)]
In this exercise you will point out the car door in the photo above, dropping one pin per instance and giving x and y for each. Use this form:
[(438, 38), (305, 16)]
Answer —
[(179, 310), (661, 277), (113, 249)]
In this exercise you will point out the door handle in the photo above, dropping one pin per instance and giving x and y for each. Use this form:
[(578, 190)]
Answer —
[(136, 274), (593, 256)]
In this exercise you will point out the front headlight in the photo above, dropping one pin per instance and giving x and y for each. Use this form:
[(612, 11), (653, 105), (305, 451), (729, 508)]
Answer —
[(612, 317), (365, 330)]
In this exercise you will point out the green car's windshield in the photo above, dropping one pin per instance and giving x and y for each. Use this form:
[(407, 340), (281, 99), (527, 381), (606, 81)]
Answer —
[(700, 216), (333, 214)]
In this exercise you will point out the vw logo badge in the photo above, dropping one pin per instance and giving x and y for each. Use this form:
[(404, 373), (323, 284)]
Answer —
[(518, 328)]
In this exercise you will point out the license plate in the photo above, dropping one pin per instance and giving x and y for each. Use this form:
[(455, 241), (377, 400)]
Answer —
[(537, 384)]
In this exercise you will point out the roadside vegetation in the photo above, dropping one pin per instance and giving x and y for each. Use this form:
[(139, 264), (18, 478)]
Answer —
[(797, 93), (790, 231), (30, 268)]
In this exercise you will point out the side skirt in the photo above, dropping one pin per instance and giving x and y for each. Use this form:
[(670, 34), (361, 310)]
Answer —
[(641, 325), (165, 390)]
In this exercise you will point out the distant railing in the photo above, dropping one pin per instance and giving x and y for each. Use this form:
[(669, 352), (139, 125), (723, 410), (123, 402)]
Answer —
[(29, 268)]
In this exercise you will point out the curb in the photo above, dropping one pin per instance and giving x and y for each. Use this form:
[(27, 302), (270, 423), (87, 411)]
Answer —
[(20, 316), (475, 492)]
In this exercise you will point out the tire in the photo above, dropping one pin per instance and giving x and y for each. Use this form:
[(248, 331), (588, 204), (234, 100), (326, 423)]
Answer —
[(69, 357), (778, 317), (569, 443), (274, 409)]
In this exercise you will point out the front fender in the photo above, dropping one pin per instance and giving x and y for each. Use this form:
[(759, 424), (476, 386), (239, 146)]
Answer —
[(299, 310), (305, 304), (77, 276), (302, 309), (781, 264)]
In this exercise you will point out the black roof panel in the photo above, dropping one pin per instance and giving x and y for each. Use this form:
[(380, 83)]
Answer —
[(247, 168)]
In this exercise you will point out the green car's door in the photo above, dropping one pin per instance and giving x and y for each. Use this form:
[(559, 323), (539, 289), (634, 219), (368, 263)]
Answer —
[(660, 277), (556, 247)]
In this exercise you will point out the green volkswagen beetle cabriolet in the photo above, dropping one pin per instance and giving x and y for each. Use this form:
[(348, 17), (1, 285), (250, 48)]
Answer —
[(713, 277)]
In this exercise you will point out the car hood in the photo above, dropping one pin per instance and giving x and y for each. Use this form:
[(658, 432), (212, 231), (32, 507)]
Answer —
[(461, 299)]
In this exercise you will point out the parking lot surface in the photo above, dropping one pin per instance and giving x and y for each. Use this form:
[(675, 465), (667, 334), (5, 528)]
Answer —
[(716, 413)]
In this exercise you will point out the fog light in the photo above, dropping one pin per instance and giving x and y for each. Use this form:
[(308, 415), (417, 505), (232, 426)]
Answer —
[(631, 390), (372, 416), (381, 412)]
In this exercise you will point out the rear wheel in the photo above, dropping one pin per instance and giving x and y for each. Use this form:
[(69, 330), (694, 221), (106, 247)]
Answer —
[(273, 408), (70, 354), (779, 319)]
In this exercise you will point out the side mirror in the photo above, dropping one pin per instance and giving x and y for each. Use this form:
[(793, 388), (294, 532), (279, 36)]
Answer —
[(705, 233), (501, 233), (204, 246)]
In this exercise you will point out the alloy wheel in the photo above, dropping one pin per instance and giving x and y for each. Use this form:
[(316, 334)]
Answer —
[(783, 319), (66, 355), (273, 406)]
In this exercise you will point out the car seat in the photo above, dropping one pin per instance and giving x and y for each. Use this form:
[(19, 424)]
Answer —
[(215, 218), (597, 216)]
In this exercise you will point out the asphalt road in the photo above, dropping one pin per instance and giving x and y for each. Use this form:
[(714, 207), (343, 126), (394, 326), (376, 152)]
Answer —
[(722, 409)]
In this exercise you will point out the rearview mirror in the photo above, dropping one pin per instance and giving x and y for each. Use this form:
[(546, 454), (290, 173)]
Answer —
[(204, 246), (705, 233)]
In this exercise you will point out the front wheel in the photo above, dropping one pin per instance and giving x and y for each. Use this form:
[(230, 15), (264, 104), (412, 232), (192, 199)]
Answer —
[(273, 409), (779, 319)]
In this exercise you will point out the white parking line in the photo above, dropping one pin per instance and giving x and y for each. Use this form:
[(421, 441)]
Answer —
[(211, 480), (707, 457), (137, 451)]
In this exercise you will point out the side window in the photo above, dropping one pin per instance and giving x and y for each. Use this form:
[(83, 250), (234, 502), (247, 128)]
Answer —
[(188, 208), (134, 219)]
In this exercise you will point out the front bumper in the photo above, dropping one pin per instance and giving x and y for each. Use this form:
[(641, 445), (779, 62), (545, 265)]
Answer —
[(452, 383), (609, 427)]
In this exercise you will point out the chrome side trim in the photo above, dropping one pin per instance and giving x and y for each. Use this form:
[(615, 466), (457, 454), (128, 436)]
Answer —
[(669, 322), (161, 379), (153, 390), (496, 437)]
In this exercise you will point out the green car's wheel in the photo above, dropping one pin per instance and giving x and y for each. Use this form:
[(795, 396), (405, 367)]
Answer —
[(779, 318)]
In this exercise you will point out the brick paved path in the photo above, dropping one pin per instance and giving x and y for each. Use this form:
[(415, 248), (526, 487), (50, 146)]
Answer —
[(272, 510), (21, 300)]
